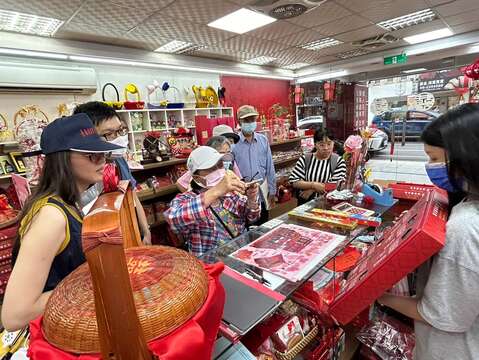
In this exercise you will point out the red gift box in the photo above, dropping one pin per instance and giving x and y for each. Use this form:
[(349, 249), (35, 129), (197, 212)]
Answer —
[(416, 236)]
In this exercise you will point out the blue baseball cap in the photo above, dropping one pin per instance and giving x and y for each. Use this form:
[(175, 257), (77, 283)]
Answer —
[(75, 133)]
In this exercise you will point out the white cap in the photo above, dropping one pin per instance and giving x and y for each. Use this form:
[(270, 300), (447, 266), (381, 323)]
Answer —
[(226, 131), (202, 158)]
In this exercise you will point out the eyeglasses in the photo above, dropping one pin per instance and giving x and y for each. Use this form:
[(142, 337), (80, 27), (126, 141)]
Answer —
[(112, 135), (96, 158)]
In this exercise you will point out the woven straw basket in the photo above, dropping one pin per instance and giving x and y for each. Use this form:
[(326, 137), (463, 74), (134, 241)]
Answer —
[(169, 287)]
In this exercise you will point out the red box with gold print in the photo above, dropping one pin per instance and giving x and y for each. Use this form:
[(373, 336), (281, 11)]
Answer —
[(416, 236)]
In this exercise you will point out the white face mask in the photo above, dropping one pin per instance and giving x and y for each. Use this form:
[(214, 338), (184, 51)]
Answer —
[(212, 179), (120, 141)]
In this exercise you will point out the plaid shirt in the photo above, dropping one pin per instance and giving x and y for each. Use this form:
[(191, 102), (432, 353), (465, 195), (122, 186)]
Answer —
[(199, 227)]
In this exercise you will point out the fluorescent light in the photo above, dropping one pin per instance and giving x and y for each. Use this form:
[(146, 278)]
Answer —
[(178, 47), (322, 76), (99, 60), (28, 24), (242, 21), (321, 44), (29, 53), (408, 20), (428, 36), (352, 53), (295, 66), (260, 60), (410, 71)]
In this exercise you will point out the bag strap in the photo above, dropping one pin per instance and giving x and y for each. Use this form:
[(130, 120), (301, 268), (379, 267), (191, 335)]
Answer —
[(114, 87), (222, 223), (308, 157), (334, 162)]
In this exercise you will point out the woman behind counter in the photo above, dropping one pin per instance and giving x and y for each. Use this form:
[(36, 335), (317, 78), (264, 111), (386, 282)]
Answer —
[(314, 170)]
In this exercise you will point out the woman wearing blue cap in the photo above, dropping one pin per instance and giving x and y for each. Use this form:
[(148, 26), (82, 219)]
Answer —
[(48, 247)]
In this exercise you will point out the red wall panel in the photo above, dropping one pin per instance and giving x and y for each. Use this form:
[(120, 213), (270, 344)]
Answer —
[(261, 93)]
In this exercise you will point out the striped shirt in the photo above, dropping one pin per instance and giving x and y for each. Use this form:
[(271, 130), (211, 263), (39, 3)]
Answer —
[(319, 171)]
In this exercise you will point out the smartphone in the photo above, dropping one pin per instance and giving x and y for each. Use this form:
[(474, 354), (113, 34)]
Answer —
[(251, 183)]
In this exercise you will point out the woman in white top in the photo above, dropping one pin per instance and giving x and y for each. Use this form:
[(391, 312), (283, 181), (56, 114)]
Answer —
[(446, 308), (313, 170)]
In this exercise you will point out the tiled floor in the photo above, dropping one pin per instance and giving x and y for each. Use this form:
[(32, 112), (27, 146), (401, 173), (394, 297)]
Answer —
[(401, 168)]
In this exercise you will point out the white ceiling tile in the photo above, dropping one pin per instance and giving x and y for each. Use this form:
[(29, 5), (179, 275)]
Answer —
[(393, 9), (202, 12), (360, 34), (463, 18), (278, 29), (323, 14), (342, 25), (58, 9), (457, 7), (251, 45), (360, 5), (91, 30), (109, 15), (300, 38), (148, 5), (171, 28), (295, 55), (438, 2), (466, 27)]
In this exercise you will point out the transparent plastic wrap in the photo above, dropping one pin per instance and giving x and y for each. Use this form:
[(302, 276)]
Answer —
[(388, 338)]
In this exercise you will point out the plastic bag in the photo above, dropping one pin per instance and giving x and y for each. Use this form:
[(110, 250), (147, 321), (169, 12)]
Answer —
[(388, 338)]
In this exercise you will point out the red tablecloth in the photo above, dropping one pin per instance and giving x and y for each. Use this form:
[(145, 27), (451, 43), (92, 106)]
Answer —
[(197, 336)]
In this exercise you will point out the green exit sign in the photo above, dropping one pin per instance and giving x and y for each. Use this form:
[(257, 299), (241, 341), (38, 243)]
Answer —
[(396, 59)]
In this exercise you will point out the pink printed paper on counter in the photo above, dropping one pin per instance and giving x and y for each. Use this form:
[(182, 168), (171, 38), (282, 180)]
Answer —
[(289, 251)]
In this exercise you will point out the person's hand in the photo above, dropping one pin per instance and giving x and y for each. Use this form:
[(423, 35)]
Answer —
[(252, 192), (318, 187), (146, 237), (229, 183)]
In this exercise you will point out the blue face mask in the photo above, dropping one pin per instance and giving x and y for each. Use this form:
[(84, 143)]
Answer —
[(248, 128), (437, 172)]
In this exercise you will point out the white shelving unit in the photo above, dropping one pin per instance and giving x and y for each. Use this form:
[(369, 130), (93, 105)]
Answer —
[(141, 121)]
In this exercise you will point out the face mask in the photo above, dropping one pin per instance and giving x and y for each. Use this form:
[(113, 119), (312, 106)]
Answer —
[(120, 141), (213, 179), (227, 165), (248, 128), (437, 173)]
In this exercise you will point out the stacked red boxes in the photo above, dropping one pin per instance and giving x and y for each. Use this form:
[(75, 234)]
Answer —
[(7, 238), (416, 236)]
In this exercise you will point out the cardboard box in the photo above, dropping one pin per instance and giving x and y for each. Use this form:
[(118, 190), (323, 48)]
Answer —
[(416, 236)]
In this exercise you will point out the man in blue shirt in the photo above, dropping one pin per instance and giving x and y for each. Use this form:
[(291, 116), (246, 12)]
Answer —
[(253, 156), (111, 129)]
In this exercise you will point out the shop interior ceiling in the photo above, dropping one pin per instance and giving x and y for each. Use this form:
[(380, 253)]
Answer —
[(149, 24)]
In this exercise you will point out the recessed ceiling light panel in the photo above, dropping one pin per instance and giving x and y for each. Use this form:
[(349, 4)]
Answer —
[(321, 44), (412, 71), (28, 24), (295, 66), (178, 47), (429, 36), (242, 21), (408, 20), (260, 60)]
